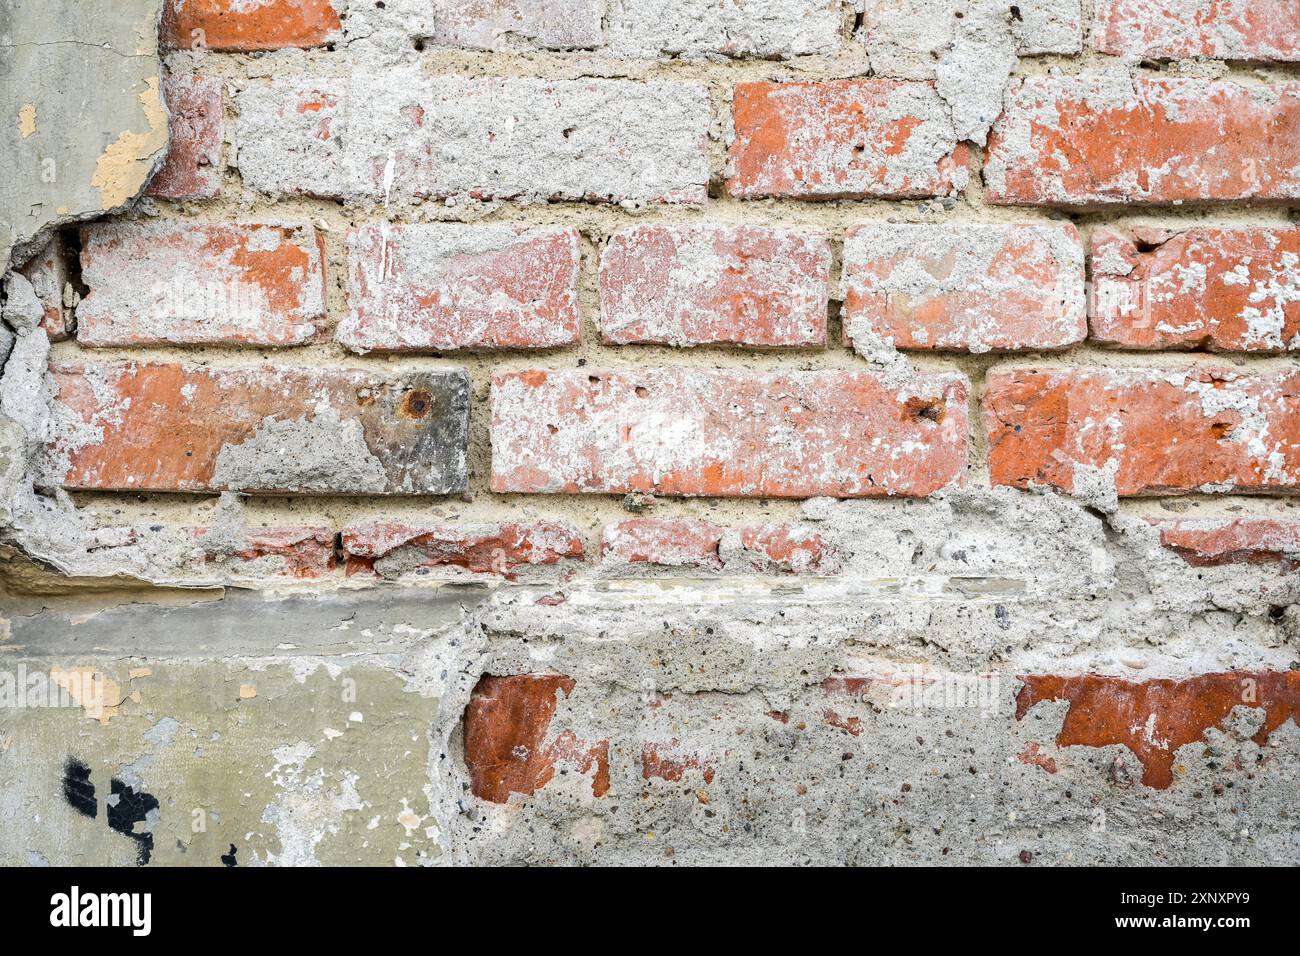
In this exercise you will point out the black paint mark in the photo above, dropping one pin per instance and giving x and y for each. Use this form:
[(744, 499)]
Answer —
[(229, 858), (131, 807), (77, 788)]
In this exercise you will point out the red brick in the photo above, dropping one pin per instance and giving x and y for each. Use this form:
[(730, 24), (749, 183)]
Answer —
[(240, 26), (667, 542), (672, 761), (433, 288), (174, 427), (1162, 431), (301, 552), (1267, 30), (47, 272), (701, 285), (490, 549), (1154, 718), (734, 433), (788, 549), (964, 286), (508, 746), (1231, 289), (1105, 138), (178, 283), (843, 139), (1205, 542), (192, 169)]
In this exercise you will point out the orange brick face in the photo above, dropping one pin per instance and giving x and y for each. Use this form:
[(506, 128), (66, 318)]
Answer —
[(1154, 718), (1230, 289), (1207, 542), (729, 433), (1266, 30), (1150, 431), (449, 287), (703, 285), (195, 125), (176, 427), (1103, 139), (163, 283), (843, 138), (965, 287), (497, 550), (237, 26), (509, 747)]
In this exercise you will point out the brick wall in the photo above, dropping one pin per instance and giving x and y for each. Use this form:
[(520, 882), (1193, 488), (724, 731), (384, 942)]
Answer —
[(558, 295)]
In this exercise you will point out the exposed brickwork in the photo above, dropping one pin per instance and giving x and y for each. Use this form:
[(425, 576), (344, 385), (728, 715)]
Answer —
[(196, 126), (304, 553), (1222, 30), (1154, 718), (965, 287), (701, 285), (160, 283), (47, 271), (448, 287), (844, 138), (239, 26), (1231, 289), (1207, 542), (509, 747), (498, 550), (175, 427), (698, 545), (688, 432), (1150, 431), (1105, 139)]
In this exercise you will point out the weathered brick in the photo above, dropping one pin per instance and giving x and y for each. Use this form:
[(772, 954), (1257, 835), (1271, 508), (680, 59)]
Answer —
[(787, 549), (499, 24), (508, 743), (192, 169), (679, 431), (498, 549), (168, 282), (696, 28), (173, 427), (965, 286), (666, 542), (1107, 138), (1157, 430), (432, 288), (1156, 717), (843, 139), (1233, 289), (673, 760), (289, 552), (906, 38), (240, 26), (1206, 542), (402, 138), (1217, 29), (48, 273), (699, 285), (695, 544)]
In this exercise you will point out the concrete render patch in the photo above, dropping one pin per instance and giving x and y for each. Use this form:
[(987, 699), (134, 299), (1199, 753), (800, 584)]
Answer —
[(89, 143)]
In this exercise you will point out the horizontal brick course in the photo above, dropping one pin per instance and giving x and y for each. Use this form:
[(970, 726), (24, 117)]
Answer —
[(701, 285), (1207, 542), (183, 283), (730, 433), (965, 287), (1231, 289), (1159, 431), (484, 549), (699, 545), (1106, 138), (174, 427), (444, 287)]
